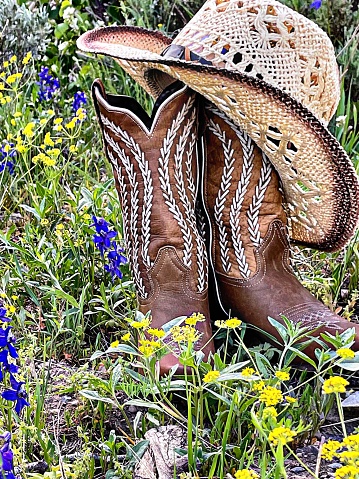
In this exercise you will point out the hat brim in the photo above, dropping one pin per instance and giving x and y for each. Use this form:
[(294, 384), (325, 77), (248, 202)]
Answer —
[(319, 180)]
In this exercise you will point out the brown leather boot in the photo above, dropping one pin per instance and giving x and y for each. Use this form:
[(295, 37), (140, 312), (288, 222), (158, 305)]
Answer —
[(250, 248), (155, 168)]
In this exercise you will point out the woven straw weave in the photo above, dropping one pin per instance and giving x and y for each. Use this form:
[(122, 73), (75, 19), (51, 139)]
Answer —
[(269, 41)]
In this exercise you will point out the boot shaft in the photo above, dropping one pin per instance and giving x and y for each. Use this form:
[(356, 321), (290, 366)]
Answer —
[(241, 192), (155, 168)]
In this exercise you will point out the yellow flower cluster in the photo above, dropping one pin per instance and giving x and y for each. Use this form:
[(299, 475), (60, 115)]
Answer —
[(46, 159), (349, 457), (345, 353), (141, 324), (148, 348), (271, 396), (347, 472), (282, 375), (13, 78), (335, 384), (194, 319), (269, 412), (259, 385), (211, 376), (27, 58), (157, 333), (330, 449), (231, 323), (185, 334), (246, 474), (247, 372), (126, 337), (281, 435)]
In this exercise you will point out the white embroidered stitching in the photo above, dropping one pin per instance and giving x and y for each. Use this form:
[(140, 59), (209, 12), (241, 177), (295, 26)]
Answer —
[(135, 247), (254, 207), (163, 171), (147, 182), (223, 192)]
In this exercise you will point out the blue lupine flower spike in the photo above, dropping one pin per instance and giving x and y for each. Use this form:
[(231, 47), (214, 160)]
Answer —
[(16, 394), (316, 4)]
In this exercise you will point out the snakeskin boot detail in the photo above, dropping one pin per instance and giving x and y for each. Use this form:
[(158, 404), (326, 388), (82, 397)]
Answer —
[(154, 162), (250, 249)]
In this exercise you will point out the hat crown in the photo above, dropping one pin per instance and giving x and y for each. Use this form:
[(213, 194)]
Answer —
[(269, 41)]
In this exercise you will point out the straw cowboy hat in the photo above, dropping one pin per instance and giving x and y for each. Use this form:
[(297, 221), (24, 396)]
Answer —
[(274, 73)]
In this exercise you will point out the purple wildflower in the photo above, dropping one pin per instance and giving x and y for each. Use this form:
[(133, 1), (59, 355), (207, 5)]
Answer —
[(48, 84), (7, 456), (3, 316), (103, 238), (79, 100), (16, 394), (115, 260), (5, 366), (316, 4), (7, 151), (7, 340)]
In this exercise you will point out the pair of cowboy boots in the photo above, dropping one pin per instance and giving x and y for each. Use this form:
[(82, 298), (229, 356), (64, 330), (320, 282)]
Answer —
[(189, 153)]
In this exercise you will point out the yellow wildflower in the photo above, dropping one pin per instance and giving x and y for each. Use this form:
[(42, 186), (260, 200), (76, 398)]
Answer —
[(347, 472), (126, 337), (43, 121), (2, 75), (2, 86), (50, 113), (114, 344), (195, 318), (186, 334), (73, 149), (13, 59), (5, 64), (7, 148), (148, 348), (57, 121), (351, 458), (86, 216), (71, 124), (330, 449), (230, 323), (211, 376), (17, 114), (28, 130), (141, 324), (290, 399), (2, 295), (49, 161), (14, 297), (20, 147), (247, 372), (27, 58), (345, 353), (271, 396), (54, 152), (259, 386), (335, 384), (60, 227), (13, 121), (81, 113), (10, 308), (269, 412), (282, 375), (44, 222), (281, 435), (352, 442), (246, 474), (158, 333), (11, 79), (8, 99), (47, 140)]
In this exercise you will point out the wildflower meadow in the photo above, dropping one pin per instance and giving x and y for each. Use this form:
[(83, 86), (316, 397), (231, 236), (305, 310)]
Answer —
[(81, 393)]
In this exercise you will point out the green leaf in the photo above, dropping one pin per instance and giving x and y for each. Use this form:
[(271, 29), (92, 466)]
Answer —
[(279, 327), (94, 396), (61, 29)]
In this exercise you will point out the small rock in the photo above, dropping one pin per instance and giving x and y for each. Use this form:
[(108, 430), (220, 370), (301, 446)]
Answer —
[(297, 469), (335, 465), (352, 400)]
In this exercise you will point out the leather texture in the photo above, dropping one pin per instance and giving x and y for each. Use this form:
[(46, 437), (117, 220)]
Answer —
[(249, 243), (154, 161)]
